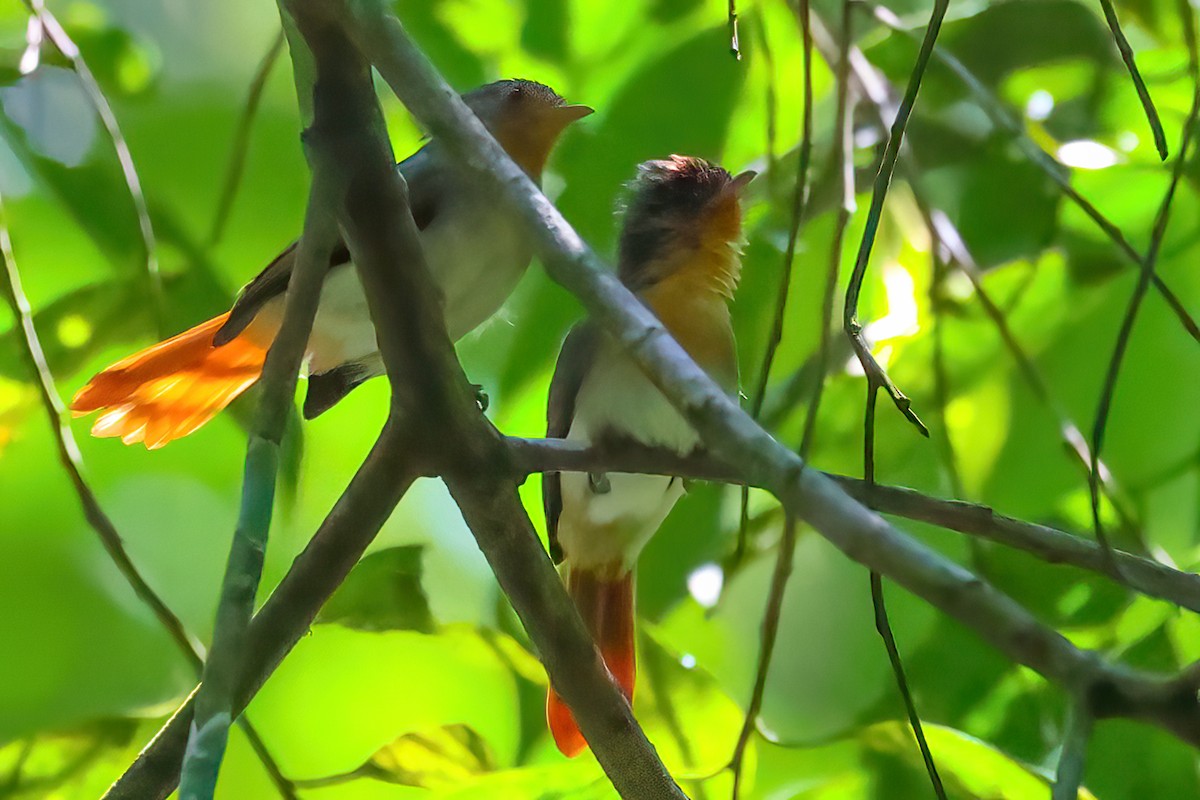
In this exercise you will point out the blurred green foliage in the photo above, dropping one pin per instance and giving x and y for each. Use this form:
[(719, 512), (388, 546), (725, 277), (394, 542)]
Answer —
[(418, 682)]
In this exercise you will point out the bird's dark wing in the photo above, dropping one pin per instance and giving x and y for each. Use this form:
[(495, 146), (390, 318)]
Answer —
[(325, 390), (273, 281), (574, 360)]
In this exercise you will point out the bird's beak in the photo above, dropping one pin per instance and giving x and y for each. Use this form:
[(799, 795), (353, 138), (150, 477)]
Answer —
[(743, 180), (571, 113)]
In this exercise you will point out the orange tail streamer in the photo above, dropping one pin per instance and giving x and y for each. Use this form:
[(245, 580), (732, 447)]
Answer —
[(169, 390), (606, 606)]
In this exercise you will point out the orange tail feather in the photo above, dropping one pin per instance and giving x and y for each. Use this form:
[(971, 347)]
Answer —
[(606, 606), (172, 388)]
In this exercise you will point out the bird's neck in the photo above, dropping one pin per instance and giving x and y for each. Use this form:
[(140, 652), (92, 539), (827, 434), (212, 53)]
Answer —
[(692, 303), (528, 148)]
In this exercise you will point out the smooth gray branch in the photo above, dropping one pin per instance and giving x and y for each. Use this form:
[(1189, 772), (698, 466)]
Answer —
[(731, 434), (1051, 545)]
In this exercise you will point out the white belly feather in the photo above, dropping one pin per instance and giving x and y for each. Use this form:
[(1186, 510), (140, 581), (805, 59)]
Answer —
[(609, 524)]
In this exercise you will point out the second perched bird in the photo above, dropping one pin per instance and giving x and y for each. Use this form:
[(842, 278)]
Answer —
[(679, 254), (476, 249)]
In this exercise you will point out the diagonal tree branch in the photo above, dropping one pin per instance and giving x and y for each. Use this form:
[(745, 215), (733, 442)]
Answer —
[(449, 435), (463, 446), (1169, 702)]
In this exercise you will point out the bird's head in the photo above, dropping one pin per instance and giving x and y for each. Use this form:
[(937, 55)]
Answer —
[(684, 215), (526, 118)]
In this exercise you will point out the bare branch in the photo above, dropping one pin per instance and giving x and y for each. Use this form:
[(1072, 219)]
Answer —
[(456, 439), (1074, 753), (732, 435), (766, 648), (241, 138), (876, 375), (843, 156), (1114, 25), (1049, 544)]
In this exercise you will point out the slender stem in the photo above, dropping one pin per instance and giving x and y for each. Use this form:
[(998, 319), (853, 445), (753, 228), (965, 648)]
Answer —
[(1114, 25), (853, 328), (799, 204), (70, 51), (766, 648), (241, 138), (1104, 406), (1053, 170), (71, 459), (216, 702), (800, 194), (1071, 761), (842, 155)]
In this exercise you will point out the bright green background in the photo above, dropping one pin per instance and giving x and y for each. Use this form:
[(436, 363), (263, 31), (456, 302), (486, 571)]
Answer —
[(86, 675)]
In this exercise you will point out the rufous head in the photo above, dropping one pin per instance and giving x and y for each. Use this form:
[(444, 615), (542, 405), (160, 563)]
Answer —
[(526, 118), (684, 213)]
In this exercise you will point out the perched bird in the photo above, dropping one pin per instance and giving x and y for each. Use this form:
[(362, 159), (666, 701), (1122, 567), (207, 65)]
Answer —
[(679, 253), (475, 247)]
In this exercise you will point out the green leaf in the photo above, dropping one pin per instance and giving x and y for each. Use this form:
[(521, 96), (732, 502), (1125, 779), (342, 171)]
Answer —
[(971, 769), (49, 124), (383, 593), (438, 759)]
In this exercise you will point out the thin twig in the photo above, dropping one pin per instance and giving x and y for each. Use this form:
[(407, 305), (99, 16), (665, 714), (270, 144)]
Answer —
[(1114, 25), (71, 459), (766, 648), (70, 51), (877, 377), (854, 329), (1071, 761), (241, 139), (770, 98), (843, 156), (1072, 437), (216, 701), (1114, 367), (1051, 168), (883, 625), (799, 204)]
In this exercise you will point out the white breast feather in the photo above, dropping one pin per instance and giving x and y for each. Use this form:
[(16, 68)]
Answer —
[(600, 529)]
